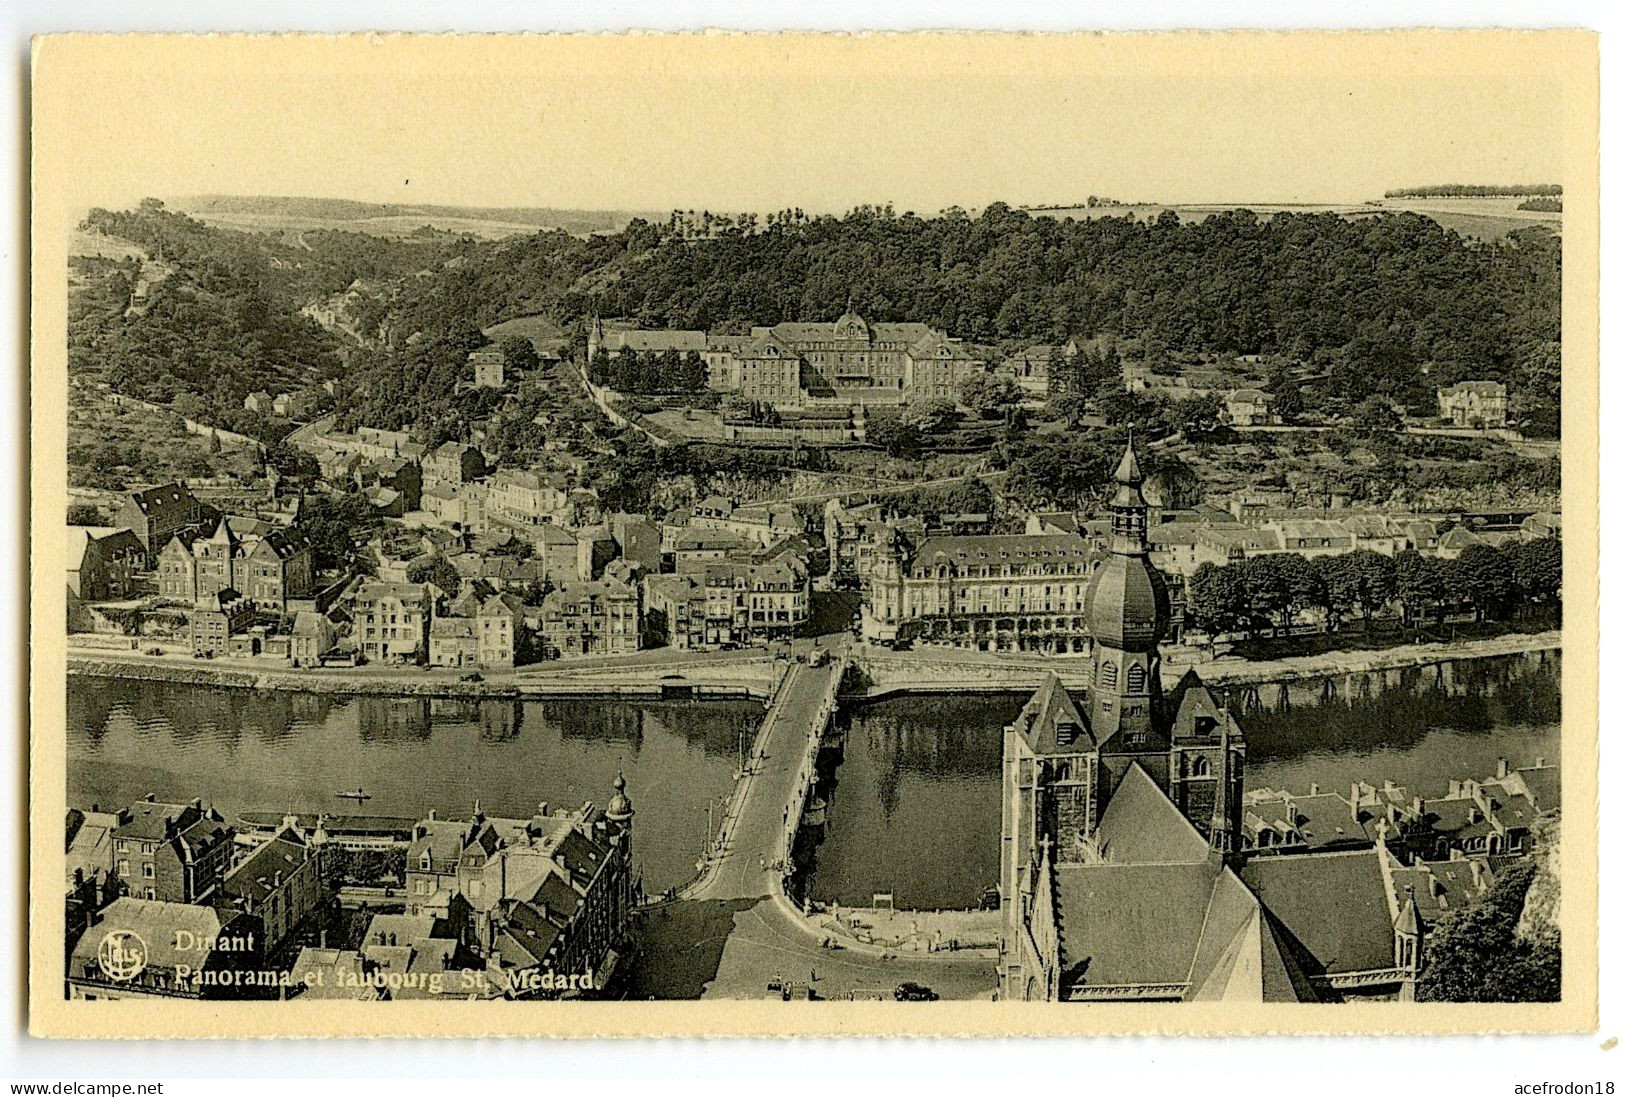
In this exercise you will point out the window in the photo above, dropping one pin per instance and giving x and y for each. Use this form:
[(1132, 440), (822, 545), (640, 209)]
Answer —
[(1136, 678), (147, 870)]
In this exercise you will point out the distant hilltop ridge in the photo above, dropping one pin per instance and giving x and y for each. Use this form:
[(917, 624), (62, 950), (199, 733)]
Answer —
[(394, 218), (1477, 190)]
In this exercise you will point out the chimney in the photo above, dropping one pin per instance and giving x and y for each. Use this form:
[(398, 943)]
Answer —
[(1314, 789), (1416, 806), (433, 815), (1501, 768), (197, 802), (541, 809), (151, 798), (1539, 762)]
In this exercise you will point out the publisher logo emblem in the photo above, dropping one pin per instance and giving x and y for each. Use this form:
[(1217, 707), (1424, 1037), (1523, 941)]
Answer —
[(122, 954)]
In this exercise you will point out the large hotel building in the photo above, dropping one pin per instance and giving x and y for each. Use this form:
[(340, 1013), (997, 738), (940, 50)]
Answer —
[(796, 365)]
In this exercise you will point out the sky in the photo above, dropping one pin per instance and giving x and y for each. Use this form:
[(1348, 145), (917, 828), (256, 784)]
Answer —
[(824, 123)]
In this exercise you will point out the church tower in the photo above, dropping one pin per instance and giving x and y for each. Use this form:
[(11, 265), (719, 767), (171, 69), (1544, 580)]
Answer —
[(1128, 616)]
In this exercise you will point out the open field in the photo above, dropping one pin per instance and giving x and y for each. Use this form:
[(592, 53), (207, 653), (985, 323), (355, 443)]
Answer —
[(110, 446), (274, 214), (1485, 218), (97, 246), (543, 331)]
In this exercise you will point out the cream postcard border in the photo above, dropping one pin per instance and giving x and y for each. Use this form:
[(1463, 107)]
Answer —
[(1569, 58)]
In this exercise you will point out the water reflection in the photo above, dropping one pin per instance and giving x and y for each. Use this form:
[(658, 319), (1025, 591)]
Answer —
[(270, 751), (914, 803)]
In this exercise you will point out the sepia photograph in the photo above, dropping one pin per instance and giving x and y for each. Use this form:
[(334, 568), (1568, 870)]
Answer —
[(788, 534)]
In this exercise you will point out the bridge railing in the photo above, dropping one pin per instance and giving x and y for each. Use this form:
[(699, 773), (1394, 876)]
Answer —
[(807, 774)]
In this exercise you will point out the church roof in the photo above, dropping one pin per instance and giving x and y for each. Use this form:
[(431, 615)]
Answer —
[(1142, 826), (1240, 957), (1335, 905), (1126, 924), (1051, 722), (1128, 469), (1128, 603)]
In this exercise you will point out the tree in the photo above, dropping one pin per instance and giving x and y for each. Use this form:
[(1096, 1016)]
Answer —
[(334, 525), (1373, 416), (1056, 471), (84, 514), (437, 570), (214, 442), (519, 354), (1417, 582), (1197, 416), (1485, 574), (1474, 953), (1537, 568), (988, 394), (1266, 583), (932, 415), (1216, 599), (1288, 396), (895, 434)]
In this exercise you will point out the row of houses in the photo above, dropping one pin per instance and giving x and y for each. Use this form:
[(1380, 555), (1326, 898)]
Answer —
[(288, 405), (163, 901), (169, 883), (1492, 817)]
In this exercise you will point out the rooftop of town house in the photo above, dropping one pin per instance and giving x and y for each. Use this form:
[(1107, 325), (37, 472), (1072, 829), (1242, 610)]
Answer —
[(378, 590), (163, 927), (1440, 886), (263, 871), (1001, 547), (161, 497), (710, 540), (1475, 388)]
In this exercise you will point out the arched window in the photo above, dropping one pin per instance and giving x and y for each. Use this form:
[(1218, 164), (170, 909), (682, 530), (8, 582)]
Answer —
[(1199, 766), (1136, 678), (1108, 674)]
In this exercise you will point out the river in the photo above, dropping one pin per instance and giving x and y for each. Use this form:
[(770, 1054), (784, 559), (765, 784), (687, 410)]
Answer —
[(914, 808), (248, 750)]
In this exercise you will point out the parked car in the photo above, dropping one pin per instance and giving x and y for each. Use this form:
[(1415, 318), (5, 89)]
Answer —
[(914, 992), (476, 676), (155, 651)]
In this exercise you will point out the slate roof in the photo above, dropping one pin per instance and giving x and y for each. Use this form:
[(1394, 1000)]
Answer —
[(158, 924), (1334, 904), (256, 877), (1131, 923), (1142, 826), (1001, 548), (160, 497), (1049, 717)]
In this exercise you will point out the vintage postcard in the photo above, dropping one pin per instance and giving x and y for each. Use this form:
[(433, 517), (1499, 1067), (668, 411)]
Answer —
[(814, 534)]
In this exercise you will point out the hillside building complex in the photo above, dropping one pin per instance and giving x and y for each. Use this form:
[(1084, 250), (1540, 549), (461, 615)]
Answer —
[(796, 365)]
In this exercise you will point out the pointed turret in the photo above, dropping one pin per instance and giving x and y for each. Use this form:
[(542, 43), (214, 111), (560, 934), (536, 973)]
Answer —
[(1128, 505), (1219, 835), (1127, 609)]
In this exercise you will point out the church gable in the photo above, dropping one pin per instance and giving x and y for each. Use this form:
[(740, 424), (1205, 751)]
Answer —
[(1142, 826)]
